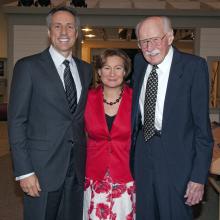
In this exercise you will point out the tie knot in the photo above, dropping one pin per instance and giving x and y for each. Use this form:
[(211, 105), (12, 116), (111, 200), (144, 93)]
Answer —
[(66, 63), (154, 67)]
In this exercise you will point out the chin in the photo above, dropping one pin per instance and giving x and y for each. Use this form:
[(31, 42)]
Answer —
[(154, 59), (112, 86)]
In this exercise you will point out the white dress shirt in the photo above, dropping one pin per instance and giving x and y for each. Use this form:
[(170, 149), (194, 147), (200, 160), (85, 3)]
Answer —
[(163, 72), (58, 61)]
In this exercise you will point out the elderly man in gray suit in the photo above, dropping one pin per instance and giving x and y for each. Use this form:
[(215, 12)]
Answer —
[(46, 129)]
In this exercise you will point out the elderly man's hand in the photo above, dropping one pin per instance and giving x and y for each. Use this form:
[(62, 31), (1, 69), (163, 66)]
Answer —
[(30, 185), (194, 193)]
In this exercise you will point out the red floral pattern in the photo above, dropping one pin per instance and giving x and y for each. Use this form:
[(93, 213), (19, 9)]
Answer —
[(118, 190), (101, 187), (87, 184), (91, 207), (130, 216), (102, 211), (103, 199), (113, 216)]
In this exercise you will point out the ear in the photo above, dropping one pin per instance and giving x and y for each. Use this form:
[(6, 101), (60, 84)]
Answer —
[(48, 33), (124, 73), (170, 38), (99, 72), (77, 33)]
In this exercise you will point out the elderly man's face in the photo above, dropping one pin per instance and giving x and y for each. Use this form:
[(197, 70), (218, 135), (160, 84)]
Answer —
[(154, 41)]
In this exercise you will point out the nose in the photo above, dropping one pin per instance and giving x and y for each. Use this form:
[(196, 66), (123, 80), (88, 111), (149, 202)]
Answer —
[(149, 46), (63, 30), (112, 71)]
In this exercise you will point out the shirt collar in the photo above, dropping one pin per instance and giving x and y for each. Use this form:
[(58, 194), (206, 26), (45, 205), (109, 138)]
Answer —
[(166, 63), (58, 58)]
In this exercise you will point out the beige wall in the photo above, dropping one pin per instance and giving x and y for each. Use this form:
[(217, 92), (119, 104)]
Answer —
[(3, 36), (28, 40), (209, 42), (3, 54)]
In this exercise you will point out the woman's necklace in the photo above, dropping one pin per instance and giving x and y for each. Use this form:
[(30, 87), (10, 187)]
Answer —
[(116, 101)]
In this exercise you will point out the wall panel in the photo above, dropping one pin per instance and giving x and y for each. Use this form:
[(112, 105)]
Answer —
[(3, 36), (28, 40), (209, 42)]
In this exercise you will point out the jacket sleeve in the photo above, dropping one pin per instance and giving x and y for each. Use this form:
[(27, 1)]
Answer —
[(203, 135), (19, 102)]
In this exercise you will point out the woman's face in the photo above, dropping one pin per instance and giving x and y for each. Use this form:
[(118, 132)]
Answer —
[(112, 73)]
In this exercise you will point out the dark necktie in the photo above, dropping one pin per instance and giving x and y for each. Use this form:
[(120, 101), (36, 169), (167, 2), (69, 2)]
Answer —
[(150, 104), (70, 87)]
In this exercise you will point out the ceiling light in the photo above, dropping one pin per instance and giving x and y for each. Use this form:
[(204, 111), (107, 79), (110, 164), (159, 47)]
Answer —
[(86, 29), (90, 35)]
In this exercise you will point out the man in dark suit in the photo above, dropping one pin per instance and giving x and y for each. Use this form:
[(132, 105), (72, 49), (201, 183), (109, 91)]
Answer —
[(46, 128), (172, 137)]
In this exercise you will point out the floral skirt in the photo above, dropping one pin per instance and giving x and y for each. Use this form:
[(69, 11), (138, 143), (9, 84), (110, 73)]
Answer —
[(107, 200)]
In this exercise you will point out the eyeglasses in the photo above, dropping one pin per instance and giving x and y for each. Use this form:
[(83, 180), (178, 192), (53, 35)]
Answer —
[(156, 41)]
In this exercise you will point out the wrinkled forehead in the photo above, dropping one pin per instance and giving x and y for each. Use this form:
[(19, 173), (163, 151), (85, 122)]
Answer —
[(151, 28)]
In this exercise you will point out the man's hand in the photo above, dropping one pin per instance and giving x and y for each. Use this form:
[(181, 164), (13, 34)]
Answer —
[(194, 193), (30, 185)]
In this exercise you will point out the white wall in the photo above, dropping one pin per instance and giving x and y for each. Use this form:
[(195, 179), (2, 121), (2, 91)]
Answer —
[(28, 40)]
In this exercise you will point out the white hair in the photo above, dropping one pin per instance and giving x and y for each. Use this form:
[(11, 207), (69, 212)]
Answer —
[(166, 24)]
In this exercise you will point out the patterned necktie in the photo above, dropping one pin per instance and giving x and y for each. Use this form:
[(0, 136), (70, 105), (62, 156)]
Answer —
[(150, 104), (70, 87)]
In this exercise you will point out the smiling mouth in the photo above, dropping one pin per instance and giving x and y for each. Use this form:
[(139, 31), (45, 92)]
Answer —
[(112, 80), (64, 40), (153, 55)]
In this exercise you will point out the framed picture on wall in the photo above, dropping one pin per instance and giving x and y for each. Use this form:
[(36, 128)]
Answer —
[(2, 67), (214, 80)]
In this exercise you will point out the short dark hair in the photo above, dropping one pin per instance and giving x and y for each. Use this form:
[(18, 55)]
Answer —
[(63, 8), (101, 60)]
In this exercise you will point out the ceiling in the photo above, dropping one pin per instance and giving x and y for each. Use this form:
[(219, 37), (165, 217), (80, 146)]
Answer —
[(140, 4), (129, 34)]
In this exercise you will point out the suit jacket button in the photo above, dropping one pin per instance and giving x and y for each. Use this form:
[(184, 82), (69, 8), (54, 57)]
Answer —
[(109, 138)]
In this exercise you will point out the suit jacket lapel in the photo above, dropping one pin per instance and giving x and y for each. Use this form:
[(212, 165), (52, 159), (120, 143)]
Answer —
[(137, 91), (55, 80), (81, 73), (173, 85), (121, 117), (99, 109)]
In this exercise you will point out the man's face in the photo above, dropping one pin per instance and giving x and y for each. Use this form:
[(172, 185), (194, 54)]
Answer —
[(62, 32), (153, 41)]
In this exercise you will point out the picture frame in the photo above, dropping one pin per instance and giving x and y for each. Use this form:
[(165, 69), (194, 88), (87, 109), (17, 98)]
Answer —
[(2, 67), (214, 81)]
